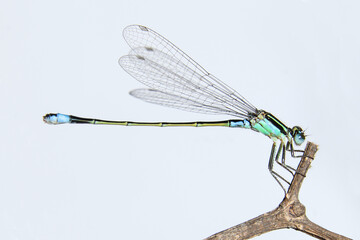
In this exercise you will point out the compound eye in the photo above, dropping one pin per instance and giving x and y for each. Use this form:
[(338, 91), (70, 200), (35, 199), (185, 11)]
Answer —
[(298, 135), (299, 138)]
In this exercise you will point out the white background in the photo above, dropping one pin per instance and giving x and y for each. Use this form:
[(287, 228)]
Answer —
[(297, 59)]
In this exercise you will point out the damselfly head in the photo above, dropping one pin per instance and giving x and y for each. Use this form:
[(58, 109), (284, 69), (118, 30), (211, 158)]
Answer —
[(298, 135)]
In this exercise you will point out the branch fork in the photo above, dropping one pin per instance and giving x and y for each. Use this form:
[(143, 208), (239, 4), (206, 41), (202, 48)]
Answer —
[(291, 213)]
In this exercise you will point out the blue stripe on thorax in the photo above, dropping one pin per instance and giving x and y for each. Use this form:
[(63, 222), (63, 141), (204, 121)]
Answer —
[(264, 123)]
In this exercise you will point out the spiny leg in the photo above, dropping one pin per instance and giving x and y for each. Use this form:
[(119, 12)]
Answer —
[(282, 151), (271, 165), (290, 148)]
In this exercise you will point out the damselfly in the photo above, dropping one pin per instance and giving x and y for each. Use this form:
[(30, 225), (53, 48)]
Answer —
[(175, 80)]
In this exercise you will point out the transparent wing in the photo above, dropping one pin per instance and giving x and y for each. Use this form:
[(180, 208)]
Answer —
[(174, 101), (163, 67)]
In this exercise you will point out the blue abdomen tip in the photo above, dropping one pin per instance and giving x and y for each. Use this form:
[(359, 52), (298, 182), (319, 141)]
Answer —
[(56, 118)]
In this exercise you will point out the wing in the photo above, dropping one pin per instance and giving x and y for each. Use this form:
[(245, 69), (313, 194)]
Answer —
[(163, 67), (175, 101)]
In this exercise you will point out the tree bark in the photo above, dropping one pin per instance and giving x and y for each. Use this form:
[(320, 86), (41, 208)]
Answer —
[(289, 214)]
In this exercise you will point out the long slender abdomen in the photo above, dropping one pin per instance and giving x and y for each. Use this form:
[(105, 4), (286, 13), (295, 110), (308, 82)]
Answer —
[(58, 118)]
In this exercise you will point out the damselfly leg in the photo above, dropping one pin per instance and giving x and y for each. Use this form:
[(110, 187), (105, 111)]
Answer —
[(275, 152), (290, 148), (281, 151)]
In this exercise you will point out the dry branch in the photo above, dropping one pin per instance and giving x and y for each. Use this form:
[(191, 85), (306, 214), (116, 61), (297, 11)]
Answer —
[(289, 214)]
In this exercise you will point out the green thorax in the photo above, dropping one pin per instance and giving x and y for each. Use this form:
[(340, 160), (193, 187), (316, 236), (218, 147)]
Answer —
[(270, 126)]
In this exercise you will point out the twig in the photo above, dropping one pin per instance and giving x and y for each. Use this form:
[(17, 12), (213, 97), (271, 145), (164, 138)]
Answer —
[(289, 214)]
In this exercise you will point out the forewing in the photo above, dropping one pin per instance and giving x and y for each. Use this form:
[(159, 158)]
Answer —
[(176, 79), (138, 36), (159, 64)]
